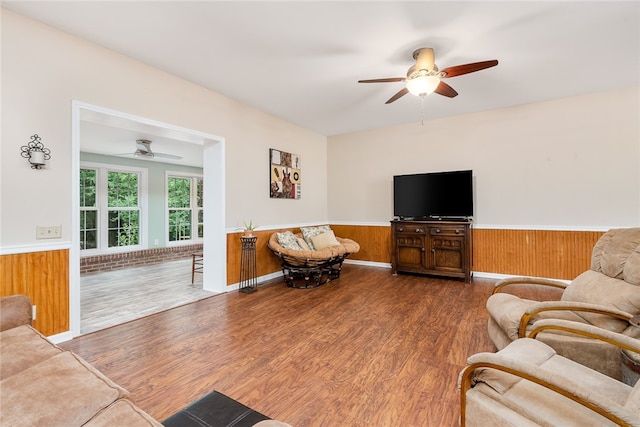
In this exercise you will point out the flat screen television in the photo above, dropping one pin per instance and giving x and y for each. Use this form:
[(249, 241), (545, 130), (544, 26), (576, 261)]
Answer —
[(436, 195)]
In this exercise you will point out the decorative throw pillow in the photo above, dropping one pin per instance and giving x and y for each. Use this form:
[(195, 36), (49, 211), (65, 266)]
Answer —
[(309, 232), (325, 240), (288, 240), (303, 244)]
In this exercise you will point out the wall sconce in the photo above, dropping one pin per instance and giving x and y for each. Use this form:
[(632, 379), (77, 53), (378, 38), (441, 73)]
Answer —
[(35, 152)]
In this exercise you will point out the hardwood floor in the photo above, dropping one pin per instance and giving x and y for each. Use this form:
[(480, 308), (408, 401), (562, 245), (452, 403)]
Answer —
[(114, 297), (368, 349)]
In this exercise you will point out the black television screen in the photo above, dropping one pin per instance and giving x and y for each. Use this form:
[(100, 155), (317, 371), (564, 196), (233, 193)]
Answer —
[(433, 195)]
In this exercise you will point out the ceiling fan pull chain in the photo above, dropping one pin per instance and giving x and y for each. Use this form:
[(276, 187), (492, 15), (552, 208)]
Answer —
[(422, 101)]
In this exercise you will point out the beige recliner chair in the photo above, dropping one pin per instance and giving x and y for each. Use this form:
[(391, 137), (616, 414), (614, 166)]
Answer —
[(607, 296), (528, 384)]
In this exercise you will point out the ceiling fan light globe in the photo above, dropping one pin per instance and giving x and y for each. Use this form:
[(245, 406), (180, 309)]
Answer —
[(422, 85)]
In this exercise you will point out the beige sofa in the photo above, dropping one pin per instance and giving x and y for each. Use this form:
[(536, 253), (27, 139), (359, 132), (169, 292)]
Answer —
[(43, 385)]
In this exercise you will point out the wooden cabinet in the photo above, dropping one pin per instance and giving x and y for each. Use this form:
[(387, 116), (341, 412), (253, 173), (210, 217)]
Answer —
[(441, 248)]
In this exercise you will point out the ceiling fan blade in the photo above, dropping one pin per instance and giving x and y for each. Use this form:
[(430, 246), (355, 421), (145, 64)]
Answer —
[(425, 58), (458, 70), (445, 90), (167, 156), (400, 94), (387, 80)]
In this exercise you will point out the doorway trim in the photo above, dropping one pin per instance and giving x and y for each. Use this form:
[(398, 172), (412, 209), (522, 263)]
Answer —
[(214, 276)]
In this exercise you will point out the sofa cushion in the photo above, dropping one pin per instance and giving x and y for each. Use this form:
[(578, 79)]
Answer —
[(288, 240), (15, 310), (122, 413), (324, 240), (23, 347), (528, 351), (62, 390), (614, 250), (303, 244), (595, 287), (631, 273), (309, 232), (507, 310)]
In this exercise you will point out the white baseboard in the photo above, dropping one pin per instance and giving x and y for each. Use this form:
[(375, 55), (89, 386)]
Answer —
[(61, 337), (368, 263)]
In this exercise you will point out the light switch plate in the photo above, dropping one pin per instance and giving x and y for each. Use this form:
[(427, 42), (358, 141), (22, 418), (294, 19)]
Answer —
[(48, 231)]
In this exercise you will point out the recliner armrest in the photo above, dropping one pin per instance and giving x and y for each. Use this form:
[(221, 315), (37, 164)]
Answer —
[(15, 310), (528, 281), (540, 307), (620, 340)]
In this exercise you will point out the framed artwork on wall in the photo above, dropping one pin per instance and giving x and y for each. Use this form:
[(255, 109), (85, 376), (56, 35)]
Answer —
[(285, 175)]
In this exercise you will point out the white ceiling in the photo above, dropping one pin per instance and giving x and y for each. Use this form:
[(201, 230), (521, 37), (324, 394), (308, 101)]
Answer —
[(301, 60)]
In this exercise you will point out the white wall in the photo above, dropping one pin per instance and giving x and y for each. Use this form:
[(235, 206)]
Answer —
[(570, 163), (44, 70)]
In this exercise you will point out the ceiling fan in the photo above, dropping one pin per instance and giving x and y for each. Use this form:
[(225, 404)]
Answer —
[(424, 77), (143, 149)]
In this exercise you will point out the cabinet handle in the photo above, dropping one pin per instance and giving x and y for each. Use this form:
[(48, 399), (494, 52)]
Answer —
[(400, 229), (457, 231), (419, 230), (437, 230)]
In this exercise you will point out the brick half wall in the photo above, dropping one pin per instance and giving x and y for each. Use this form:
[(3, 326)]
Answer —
[(106, 262)]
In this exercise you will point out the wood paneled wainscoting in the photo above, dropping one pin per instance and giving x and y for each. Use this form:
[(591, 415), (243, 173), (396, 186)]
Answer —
[(374, 240), (556, 254), (540, 253), (44, 277), (375, 246), (267, 261)]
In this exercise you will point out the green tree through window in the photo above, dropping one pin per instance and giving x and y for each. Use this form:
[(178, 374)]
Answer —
[(88, 209), (110, 211), (123, 213), (185, 208)]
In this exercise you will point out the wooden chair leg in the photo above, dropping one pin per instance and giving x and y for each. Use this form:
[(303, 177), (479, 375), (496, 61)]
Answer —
[(196, 265), (193, 267)]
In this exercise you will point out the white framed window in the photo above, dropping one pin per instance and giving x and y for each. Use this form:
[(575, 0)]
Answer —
[(185, 213), (113, 205)]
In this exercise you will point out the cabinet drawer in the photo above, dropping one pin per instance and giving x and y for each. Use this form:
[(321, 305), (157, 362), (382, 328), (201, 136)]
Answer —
[(447, 230), (410, 228)]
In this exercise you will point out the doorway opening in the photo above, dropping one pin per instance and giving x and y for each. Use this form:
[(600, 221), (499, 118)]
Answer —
[(209, 149)]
